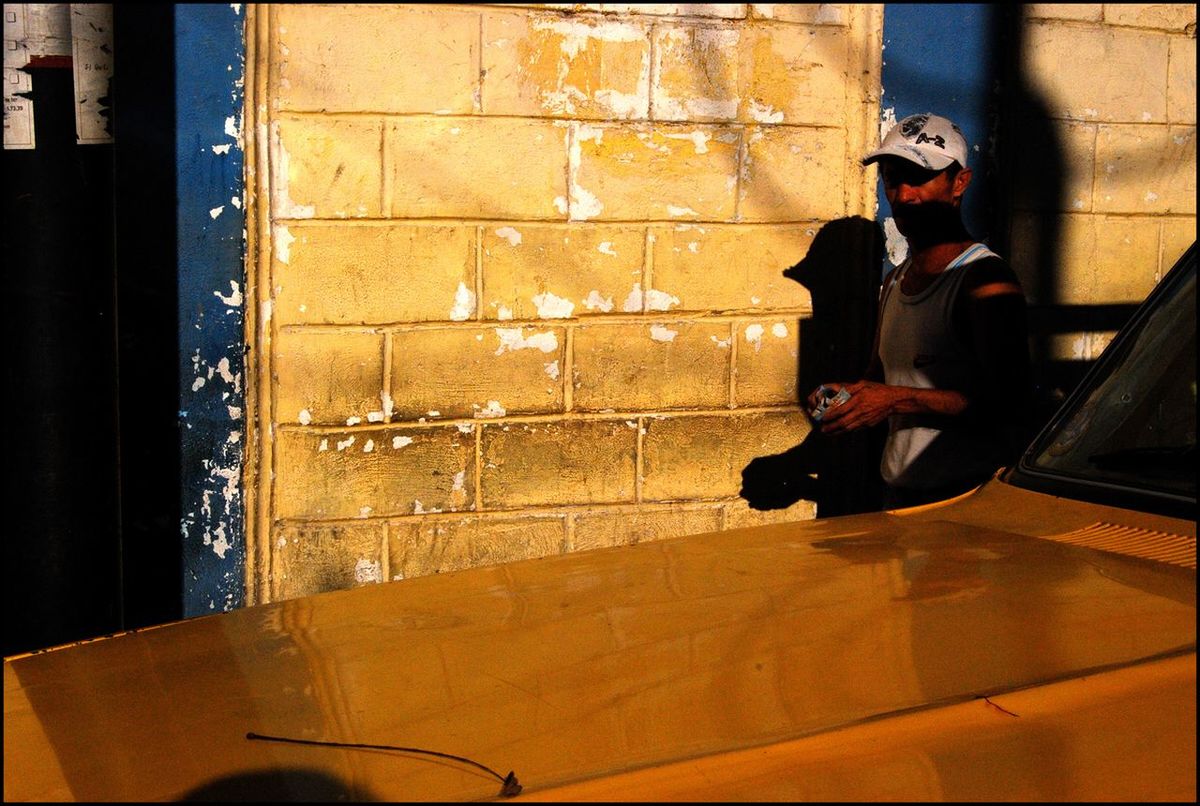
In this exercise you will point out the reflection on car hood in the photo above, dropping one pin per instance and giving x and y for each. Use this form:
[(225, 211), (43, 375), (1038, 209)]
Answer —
[(586, 664)]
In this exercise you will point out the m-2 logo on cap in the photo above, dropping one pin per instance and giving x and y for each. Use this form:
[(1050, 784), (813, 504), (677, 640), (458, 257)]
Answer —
[(937, 140)]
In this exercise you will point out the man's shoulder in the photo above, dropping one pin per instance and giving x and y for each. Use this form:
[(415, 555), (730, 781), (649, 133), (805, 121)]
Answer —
[(988, 268)]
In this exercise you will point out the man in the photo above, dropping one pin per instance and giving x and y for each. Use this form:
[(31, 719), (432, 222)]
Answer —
[(950, 366)]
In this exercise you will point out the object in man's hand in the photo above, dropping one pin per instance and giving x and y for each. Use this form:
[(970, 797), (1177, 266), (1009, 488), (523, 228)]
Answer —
[(829, 399)]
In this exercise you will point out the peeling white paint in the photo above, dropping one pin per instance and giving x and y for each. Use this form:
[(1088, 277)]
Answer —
[(375, 416), (305, 417), (418, 509), (400, 442), (216, 211), (387, 404), (466, 428), (324, 446), (235, 412), (367, 571), (583, 203), (606, 248), (660, 300), (764, 113), (754, 334), (633, 302), (560, 204), (1150, 196), (222, 149), (505, 313), (513, 338), (494, 409), (433, 413), (755, 300), (353, 420), (887, 121), (596, 302), (897, 244), (694, 247), (345, 443), (369, 446), (283, 242), (678, 211), (510, 234), (550, 306), (235, 297), (720, 342), (281, 200), (196, 384), (552, 369), (779, 330), (699, 140), (464, 303), (662, 333)]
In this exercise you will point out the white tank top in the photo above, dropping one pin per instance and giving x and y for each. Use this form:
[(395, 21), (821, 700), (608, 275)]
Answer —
[(918, 348)]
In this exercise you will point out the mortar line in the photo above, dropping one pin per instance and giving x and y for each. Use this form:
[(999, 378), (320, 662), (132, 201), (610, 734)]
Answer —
[(267, 328), (569, 533), (385, 553), (386, 399), (250, 474), (386, 182), (568, 370), (639, 463), (477, 503), (478, 273), (732, 365)]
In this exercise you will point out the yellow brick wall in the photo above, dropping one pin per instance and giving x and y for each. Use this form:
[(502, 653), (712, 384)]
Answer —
[(1119, 86), (517, 271)]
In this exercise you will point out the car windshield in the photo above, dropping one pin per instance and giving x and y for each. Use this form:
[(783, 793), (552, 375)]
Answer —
[(1131, 425)]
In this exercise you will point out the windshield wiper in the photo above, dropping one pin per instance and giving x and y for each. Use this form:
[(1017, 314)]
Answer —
[(1166, 457)]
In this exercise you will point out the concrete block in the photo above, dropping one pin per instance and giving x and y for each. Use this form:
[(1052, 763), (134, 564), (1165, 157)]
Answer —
[(554, 272), (651, 367), (627, 527), (793, 174), (477, 168), (647, 172), (1177, 235), (326, 167), (767, 367), (1181, 80), (688, 458), (807, 13), (571, 462), (370, 472), (1104, 74), (696, 69), (373, 274), (477, 372), (376, 58), (1076, 143), (310, 558), (795, 74), (738, 514), (1084, 12), (1146, 169), (1167, 16), (327, 377), (441, 545), (549, 65), (712, 267)]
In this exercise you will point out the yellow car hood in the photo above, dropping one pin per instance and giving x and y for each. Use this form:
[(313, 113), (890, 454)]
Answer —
[(590, 665)]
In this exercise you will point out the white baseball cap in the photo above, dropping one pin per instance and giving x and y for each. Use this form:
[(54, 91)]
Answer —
[(930, 141)]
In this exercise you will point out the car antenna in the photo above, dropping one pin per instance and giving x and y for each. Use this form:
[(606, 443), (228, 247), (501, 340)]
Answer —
[(509, 786)]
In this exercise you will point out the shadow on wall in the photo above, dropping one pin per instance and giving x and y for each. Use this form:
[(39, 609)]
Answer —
[(1030, 176), (841, 272)]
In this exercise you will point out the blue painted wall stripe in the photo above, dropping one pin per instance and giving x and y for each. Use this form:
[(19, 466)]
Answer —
[(210, 69), (938, 58)]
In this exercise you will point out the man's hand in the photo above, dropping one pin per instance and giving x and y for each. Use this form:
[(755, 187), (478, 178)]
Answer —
[(870, 403)]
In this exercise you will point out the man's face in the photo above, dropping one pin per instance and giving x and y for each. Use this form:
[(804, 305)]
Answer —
[(924, 202)]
